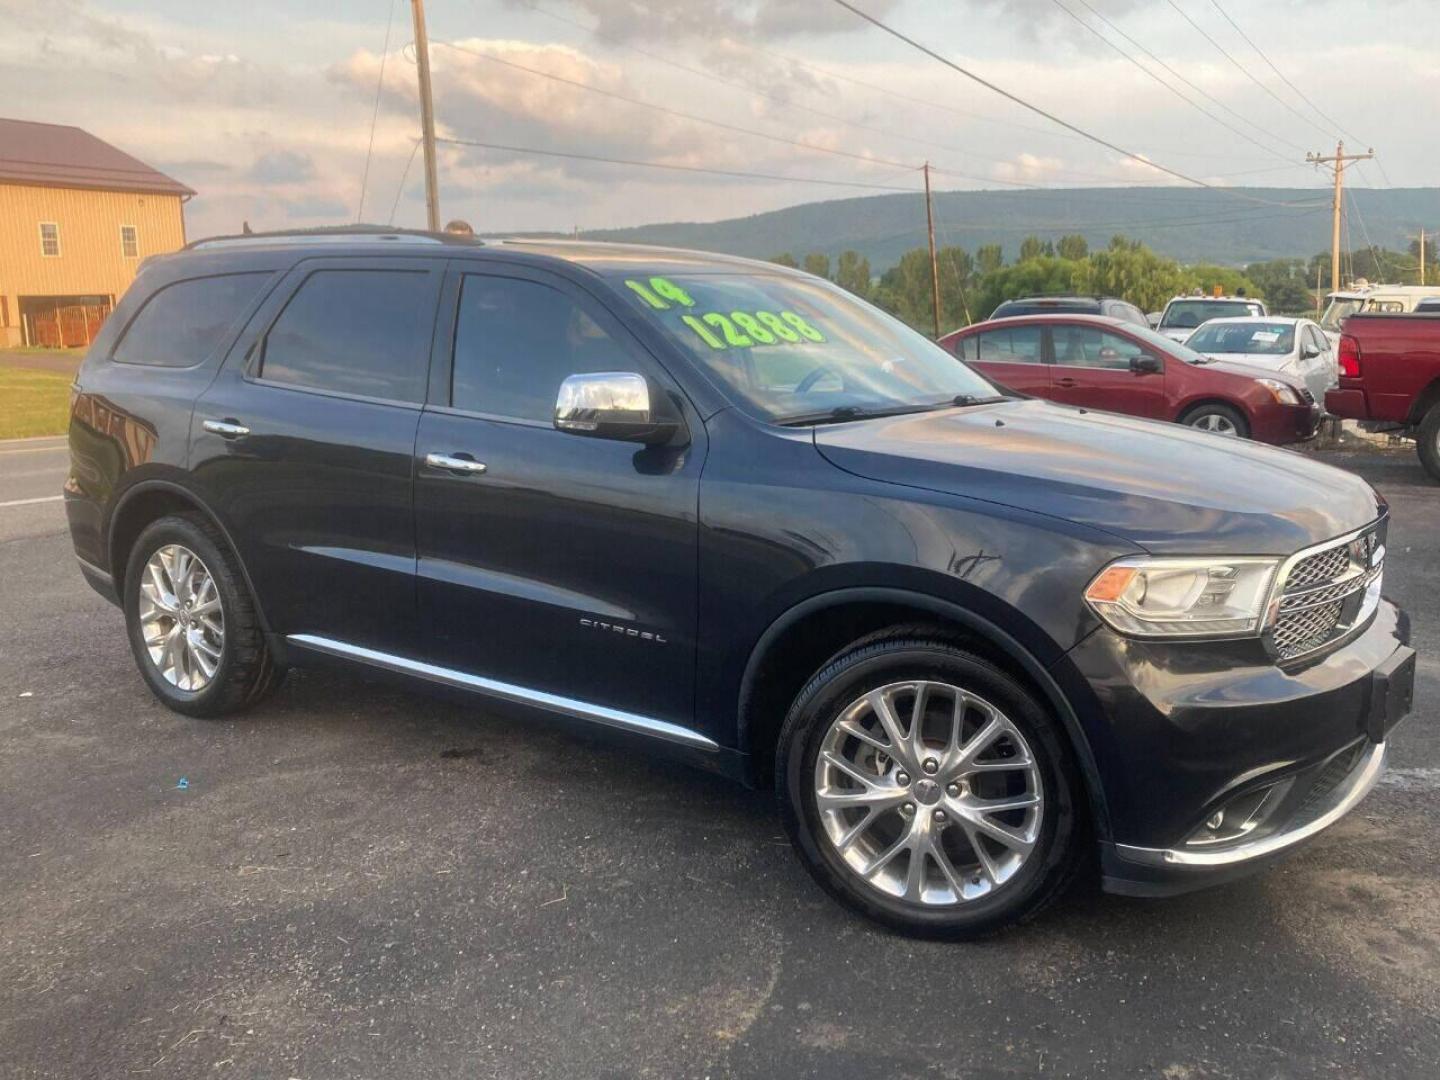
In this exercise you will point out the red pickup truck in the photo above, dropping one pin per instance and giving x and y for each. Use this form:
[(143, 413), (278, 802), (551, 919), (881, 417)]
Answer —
[(1390, 377)]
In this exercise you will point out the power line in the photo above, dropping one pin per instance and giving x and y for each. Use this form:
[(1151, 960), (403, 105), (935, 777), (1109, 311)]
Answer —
[(677, 168), (1042, 112), (721, 124), (400, 187), (375, 114), (1193, 86), (786, 103), (1244, 70), (1298, 92)]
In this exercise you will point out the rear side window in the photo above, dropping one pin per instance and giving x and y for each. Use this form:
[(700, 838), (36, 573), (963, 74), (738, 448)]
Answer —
[(363, 332), (183, 324), (516, 341), (1016, 345)]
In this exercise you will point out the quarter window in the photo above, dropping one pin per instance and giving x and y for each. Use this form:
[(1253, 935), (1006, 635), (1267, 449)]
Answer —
[(49, 239), (1014, 345), (362, 332), (516, 341), (129, 242), (183, 323), (1085, 346)]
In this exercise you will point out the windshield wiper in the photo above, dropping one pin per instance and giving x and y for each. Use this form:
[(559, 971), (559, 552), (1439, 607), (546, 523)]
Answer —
[(971, 399), (842, 413)]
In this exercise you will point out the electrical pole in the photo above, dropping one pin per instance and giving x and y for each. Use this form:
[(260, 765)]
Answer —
[(1339, 161), (427, 117), (934, 264), (1422, 256)]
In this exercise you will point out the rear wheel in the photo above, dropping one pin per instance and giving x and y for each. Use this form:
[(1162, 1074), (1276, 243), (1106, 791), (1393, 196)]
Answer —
[(928, 790), (1428, 441), (192, 625), (1218, 420)]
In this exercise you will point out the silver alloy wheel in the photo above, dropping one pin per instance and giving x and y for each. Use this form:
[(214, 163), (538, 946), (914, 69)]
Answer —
[(939, 808), (181, 618), (1215, 423)]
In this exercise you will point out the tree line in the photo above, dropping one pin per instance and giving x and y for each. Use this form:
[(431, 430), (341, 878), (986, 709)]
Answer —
[(973, 284)]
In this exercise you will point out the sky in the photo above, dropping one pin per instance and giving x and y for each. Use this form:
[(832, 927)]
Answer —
[(276, 112)]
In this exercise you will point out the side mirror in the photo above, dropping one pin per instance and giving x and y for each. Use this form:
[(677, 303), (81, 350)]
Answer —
[(616, 405), (1309, 352), (1153, 319), (1146, 364)]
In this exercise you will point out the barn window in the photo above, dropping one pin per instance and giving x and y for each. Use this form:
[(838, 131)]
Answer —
[(129, 242), (49, 239)]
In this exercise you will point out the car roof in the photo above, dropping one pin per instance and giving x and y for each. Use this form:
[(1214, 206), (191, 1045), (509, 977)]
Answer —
[(1075, 317), (1218, 299), (594, 255), (1296, 319)]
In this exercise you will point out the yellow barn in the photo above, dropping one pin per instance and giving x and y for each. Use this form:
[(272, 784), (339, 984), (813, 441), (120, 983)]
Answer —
[(76, 218)]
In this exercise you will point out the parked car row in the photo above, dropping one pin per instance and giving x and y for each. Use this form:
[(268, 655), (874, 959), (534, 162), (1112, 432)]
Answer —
[(975, 642)]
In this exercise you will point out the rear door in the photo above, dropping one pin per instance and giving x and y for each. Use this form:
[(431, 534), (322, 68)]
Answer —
[(305, 441), (567, 567), (1092, 367), (1013, 356)]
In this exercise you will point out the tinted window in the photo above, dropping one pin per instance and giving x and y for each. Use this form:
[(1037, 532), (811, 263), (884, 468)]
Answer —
[(1012, 308), (1085, 346), (1316, 339), (182, 324), (1188, 314), (356, 332), (1016, 345), (515, 343)]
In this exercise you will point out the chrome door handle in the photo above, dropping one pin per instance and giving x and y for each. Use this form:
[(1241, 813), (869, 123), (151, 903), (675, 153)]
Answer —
[(451, 463), (227, 429)]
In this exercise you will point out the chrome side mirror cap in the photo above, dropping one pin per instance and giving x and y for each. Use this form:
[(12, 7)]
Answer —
[(616, 405)]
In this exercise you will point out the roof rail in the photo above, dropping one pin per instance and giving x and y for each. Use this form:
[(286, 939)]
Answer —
[(345, 234)]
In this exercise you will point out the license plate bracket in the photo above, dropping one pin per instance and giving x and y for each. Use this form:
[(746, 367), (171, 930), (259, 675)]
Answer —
[(1392, 693)]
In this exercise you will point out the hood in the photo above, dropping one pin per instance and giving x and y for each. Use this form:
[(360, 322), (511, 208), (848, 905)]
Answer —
[(1253, 367), (1161, 486)]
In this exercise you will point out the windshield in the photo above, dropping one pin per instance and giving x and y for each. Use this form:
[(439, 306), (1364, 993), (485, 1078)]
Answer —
[(790, 349), (1188, 314), (1165, 346), (1263, 339), (1340, 307)]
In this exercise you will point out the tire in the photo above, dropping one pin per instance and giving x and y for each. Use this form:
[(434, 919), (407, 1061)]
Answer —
[(1219, 420), (990, 898), (242, 670), (1427, 442)]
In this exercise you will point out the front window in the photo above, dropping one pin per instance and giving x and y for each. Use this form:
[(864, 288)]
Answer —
[(791, 349), (1164, 346), (1255, 339), (1188, 314), (1340, 308)]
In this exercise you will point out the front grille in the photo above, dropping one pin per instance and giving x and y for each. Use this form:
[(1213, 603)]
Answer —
[(1323, 595)]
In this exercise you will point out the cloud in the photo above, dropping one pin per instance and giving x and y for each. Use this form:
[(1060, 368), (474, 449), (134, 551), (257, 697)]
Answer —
[(282, 167), (667, 20)]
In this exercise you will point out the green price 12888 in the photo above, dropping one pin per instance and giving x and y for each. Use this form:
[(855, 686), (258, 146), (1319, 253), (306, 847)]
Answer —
[(727, 330)]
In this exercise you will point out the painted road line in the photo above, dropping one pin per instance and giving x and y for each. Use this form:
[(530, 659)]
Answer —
[(31, 502), (60, 449)]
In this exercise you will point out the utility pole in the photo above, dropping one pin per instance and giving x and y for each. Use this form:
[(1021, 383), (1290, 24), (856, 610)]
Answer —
[(1422, 256), (934, 264), (1340, 161), (427, 117)]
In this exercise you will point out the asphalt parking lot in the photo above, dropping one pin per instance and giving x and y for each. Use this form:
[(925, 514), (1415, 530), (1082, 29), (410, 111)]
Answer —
[(360, 881)]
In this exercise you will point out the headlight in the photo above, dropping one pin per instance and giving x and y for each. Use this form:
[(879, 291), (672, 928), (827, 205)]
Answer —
[(1284, 393), (1217, 597)]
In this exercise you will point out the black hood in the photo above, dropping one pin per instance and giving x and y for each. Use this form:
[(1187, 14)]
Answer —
[(1161, 486)]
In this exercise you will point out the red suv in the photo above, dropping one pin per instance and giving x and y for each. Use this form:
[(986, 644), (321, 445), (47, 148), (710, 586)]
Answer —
[(1105, 363)]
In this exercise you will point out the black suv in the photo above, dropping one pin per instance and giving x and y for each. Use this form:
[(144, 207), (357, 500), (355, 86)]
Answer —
[(728, 509), (1071, 305)]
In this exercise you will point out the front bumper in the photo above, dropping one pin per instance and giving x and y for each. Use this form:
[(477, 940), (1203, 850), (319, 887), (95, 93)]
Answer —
[(1283, 424), (1214, 760)]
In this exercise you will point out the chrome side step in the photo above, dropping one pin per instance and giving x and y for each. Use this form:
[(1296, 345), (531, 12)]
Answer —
[(616, 718)]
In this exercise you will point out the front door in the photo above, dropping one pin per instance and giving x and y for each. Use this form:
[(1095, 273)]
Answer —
[(567, 567), (304, 446), (1093, 368)]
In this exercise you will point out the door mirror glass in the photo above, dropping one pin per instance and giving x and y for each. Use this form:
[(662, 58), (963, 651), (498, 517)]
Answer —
[(1146, 364), (615, 405), (1308, 352)]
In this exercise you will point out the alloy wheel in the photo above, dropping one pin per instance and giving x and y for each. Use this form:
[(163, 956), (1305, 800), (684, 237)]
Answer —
[(1215, 423), (928, 793), (181, 618)]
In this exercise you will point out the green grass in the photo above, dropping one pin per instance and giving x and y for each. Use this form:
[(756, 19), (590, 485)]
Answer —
[(33, 403)]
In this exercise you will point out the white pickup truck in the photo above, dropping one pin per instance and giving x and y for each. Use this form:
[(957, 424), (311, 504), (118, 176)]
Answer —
[(1184, 314)]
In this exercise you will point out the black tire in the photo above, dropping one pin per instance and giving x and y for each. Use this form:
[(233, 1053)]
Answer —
[(915, 653), (246, 671), (1233, 416), (1427, 443)]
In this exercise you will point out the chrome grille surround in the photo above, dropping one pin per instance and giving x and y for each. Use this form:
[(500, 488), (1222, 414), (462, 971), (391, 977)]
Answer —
[(1324, 592)]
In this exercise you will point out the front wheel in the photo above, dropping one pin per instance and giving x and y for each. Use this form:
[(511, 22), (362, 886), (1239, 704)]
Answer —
[(928, 790), (1218, 420), (1428, 442)]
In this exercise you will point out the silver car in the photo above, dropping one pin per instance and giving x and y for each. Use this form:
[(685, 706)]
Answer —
[(1296, 347)]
